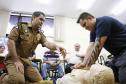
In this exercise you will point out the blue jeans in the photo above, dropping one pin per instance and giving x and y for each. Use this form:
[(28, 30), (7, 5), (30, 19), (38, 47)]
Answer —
[(34, 65), (45, 67), (119, 67)]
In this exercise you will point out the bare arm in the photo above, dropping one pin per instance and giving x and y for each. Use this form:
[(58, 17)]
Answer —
[(50, 45), (92, 55), (90, 47), (53, 46)]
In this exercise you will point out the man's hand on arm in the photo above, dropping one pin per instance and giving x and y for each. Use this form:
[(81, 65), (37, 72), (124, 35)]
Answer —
[(19, 66)]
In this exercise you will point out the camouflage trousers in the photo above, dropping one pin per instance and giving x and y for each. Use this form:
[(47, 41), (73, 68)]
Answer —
[(31, 75)]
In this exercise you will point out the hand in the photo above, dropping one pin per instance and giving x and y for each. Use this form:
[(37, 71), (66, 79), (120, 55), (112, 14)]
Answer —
[(63, 51), (88, 61), (79, 66), (19, 66)]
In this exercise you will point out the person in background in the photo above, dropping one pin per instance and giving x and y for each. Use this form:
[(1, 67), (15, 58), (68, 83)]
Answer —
[(109, 33), (22, 42), (2, 48), (74, 58), (51, 60)]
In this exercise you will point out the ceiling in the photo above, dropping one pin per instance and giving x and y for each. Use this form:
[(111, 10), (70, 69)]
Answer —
[(67, 8)]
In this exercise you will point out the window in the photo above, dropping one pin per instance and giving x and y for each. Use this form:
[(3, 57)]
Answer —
[(48, 26)]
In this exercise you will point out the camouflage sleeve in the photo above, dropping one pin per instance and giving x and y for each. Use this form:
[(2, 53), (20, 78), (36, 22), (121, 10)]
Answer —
[(14, 34), (43, 39)]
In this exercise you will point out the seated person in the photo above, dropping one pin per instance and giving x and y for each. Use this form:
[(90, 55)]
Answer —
[(2, 48), (2, 56), (32, 58), (51, 60), (74, 58), (3, 52)]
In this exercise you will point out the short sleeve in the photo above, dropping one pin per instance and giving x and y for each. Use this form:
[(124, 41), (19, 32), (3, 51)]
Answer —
[(43, 39), (14, 34), (103, 29), (92, 36)]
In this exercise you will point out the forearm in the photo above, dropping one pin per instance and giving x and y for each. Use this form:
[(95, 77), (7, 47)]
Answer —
[(12, 49), (90, 48), (94, 53), (50, 45)]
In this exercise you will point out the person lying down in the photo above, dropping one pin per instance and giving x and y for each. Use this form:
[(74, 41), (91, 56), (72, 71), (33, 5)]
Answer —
[(97, 74)]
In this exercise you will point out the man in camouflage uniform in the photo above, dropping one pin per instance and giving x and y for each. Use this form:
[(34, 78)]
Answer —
[(23, 40)]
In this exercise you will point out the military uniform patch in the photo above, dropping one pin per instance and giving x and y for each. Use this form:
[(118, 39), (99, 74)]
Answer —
[(38, 37)]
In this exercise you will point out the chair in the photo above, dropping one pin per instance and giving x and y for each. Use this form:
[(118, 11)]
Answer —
[(39, 62), (52, 72)]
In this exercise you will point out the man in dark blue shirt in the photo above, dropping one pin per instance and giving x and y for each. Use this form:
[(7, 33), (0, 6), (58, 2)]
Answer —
[(51, 60), (109, 33)]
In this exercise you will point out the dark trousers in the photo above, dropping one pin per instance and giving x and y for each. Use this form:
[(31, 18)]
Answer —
[(68, 68), (118, 65)]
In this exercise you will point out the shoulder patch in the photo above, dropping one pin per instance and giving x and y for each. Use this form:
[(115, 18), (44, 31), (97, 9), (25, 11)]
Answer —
[(41, 33), (38, 37), (23, 27)]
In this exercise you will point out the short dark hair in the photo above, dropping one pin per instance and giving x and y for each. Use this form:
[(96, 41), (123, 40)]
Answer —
[(84, 15), (38, 13)]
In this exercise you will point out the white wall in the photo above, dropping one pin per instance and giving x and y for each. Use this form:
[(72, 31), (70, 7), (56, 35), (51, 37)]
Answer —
[(4, 19)]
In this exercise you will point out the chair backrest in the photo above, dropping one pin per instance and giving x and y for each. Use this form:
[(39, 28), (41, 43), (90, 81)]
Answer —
[(51, 56)]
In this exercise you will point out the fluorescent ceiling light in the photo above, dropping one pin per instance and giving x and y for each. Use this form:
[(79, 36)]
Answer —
[(119, 8), (85, 4), (44, 1)]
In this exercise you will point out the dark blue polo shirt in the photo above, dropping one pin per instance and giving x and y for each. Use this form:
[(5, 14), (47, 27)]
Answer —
[(114, 30)]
